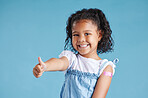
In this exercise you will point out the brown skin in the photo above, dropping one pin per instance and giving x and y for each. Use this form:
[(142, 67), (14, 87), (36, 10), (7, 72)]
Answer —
[(85, 38), (53, 64), (103, 84), (84, 32)]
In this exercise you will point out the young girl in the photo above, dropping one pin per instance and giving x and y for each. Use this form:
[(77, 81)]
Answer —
[(86, 74)]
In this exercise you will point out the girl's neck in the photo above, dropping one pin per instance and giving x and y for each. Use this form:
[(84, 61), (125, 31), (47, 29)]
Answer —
[(92, 56)]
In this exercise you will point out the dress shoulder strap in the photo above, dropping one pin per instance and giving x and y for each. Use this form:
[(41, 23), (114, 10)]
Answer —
[(71, 66), (101, 66)]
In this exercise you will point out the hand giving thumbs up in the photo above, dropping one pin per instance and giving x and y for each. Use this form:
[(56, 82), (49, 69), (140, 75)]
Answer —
[(39, 68)]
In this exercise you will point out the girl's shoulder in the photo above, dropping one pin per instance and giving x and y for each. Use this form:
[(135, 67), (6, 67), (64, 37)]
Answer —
[(106, 63), (69, 54)]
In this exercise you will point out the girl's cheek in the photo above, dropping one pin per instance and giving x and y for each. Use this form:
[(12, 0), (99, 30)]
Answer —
[(73, 43), (74, 40)]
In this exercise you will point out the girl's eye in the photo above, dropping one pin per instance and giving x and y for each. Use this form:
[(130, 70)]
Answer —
[(75, 34), (87, 34)]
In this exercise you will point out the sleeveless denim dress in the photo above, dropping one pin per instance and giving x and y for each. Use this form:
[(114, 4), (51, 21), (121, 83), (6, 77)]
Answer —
[(79, 84)]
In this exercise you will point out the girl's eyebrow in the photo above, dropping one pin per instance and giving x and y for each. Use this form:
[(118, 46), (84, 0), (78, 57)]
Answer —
[(84, 31), (87, 30), (74, 32)]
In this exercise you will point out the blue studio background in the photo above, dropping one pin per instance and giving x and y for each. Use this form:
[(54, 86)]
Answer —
[(32, 28)]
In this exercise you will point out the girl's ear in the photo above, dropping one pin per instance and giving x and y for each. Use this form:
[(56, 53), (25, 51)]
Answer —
[(99, 35)]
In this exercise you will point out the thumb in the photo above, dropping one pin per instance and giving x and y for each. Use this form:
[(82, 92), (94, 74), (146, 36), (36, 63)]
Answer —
[(43, 65), (40, 61)]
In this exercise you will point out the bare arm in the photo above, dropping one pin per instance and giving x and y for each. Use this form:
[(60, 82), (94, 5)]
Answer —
[(53, 64), (103, 84), (57, 64)]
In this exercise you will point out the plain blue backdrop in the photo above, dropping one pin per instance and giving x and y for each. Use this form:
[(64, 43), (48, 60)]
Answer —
[(32, 28)]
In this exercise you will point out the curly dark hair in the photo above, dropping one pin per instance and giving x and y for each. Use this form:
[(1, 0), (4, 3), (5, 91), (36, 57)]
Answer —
[(98, 17)]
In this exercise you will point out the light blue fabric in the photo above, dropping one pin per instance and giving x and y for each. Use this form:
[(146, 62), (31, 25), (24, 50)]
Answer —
[(79, 84)]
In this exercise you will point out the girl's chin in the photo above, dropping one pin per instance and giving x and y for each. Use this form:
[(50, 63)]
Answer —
[(83, 52)]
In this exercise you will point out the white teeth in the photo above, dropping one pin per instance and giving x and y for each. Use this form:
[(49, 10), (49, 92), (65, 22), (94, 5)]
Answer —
[(83, 45)]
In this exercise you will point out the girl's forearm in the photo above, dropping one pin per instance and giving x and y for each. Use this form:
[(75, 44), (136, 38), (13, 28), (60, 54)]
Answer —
[(56, 64)]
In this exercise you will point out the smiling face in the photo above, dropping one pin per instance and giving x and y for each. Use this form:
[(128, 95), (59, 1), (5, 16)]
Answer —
[(85, 38)]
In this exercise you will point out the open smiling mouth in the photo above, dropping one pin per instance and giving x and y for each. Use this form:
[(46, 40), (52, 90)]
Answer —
[(83, 46)]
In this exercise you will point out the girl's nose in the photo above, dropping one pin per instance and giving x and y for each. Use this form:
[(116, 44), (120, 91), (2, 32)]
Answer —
[(81, 38)]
